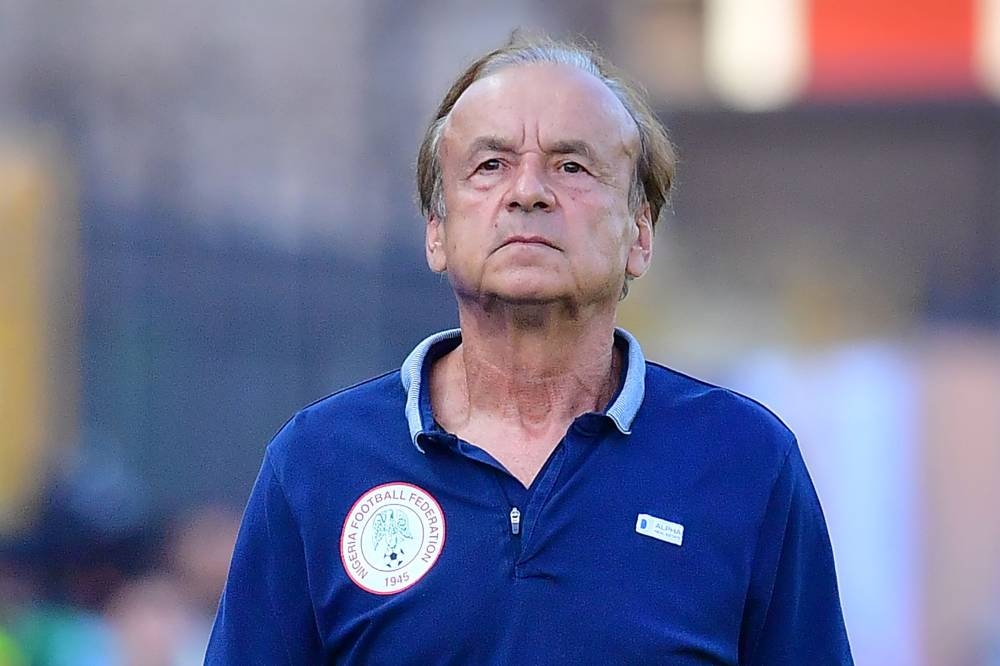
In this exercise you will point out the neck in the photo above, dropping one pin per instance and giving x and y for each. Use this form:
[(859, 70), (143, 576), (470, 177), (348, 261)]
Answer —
[(531, 368)]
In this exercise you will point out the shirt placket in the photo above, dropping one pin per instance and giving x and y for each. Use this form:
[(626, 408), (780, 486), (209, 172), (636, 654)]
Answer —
[(518, 507)]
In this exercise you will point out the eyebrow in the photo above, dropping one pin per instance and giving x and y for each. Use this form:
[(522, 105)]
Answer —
[(573, 148), (565, 147), (492, 144)]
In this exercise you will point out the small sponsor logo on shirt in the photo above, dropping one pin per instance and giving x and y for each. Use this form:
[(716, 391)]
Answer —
[(658, 528), (392, 536)]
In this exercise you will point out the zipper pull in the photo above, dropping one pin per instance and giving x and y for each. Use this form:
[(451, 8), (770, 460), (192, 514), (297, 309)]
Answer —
[(515, 521)]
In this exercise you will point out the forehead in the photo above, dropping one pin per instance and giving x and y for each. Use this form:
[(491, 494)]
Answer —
[(543, 103)]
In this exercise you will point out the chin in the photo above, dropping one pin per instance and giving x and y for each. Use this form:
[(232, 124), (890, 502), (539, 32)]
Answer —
[(528, 291), (527, 297)]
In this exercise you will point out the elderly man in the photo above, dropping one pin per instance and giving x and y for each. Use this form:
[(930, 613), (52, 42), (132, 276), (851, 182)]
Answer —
[(528, 488)]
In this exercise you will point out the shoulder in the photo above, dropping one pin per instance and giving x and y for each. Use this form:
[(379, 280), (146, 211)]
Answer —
[(727, 421), (359, 412)]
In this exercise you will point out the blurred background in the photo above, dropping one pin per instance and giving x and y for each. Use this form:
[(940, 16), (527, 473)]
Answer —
[(207, 221)]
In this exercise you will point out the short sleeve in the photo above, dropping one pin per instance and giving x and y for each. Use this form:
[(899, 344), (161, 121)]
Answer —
[(793, 613), (265, 615)]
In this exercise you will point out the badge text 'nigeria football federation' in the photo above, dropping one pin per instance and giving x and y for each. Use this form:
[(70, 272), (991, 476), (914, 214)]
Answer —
[(392, 537)]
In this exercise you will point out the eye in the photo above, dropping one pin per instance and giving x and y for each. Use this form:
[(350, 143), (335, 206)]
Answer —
[(572, 167), (489, 165)]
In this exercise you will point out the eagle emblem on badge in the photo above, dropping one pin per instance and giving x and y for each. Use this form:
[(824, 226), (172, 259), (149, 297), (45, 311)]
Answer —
[(389, 531)]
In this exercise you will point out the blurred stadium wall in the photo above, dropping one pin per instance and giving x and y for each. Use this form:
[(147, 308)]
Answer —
[(39, 354)]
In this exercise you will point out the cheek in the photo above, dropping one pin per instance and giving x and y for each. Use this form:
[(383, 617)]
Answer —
[(609, 232), (474, 209), (466, 242)]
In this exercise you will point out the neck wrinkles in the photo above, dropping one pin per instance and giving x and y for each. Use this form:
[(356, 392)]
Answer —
[(532, 376)]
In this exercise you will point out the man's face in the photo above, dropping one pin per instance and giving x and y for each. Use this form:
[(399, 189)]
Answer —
[(536, 163)]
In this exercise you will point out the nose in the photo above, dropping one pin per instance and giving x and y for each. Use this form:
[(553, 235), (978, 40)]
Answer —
[(530, 189)]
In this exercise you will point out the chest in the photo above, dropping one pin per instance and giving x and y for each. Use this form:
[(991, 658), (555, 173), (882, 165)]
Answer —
[(576, 580)]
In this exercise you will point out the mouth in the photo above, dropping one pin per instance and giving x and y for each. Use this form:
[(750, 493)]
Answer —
[(529, 240)]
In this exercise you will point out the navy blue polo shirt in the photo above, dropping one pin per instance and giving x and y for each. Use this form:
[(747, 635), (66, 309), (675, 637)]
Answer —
[(678, 526)]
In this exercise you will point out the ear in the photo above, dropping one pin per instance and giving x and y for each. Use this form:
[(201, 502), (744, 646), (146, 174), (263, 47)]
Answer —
[(435, 244), (640, 252)]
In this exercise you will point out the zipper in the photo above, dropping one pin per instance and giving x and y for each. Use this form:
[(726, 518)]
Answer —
[(515, 521)]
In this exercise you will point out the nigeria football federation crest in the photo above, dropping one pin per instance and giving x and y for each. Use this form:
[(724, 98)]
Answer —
[(392, 537)]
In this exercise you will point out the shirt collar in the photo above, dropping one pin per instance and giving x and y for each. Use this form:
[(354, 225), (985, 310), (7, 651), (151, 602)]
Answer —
[(416, 367)]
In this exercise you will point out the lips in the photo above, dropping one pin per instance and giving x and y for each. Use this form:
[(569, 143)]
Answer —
[(529, 240)]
